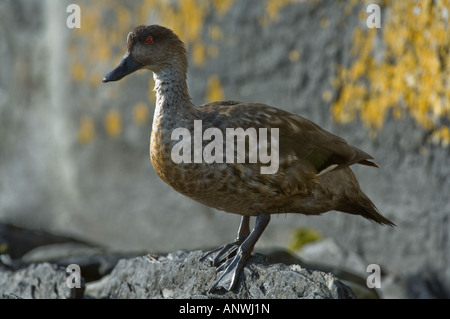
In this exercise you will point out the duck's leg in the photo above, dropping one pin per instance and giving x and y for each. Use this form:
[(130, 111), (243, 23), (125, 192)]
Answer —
[(217, 256), (232, 267)]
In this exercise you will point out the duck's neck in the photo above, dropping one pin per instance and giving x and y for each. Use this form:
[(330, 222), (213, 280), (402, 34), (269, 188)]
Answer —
[(172, 94)]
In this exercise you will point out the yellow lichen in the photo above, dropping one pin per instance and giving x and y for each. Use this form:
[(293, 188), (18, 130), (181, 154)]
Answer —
[(222, 6), (140, 113), (410, 74), (113, 123), (86, 130), (442, 136), (214, 89), (198, 54), (215, 33), (324, 23), (78, 72), (294, 55), (273, 8)]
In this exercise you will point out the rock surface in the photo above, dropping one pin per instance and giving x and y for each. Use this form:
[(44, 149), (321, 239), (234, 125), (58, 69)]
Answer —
[(29, 257), (182, 275), (38, 281), (33, 265), (175, 275)]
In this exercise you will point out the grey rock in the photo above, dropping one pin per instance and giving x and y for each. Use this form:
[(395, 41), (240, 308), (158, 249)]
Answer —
[(38, 281), (315, 257), (183, 275)]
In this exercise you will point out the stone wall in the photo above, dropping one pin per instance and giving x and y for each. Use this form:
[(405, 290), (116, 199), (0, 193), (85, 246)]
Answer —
[(74, 152)]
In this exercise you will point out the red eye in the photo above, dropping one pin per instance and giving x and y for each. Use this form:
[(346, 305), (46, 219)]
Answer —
[(149, 40)]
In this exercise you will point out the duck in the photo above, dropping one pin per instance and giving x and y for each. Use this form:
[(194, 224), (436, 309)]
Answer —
[(312, 174)]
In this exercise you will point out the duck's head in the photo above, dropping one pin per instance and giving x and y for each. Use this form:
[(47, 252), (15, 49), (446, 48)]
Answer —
[(150, 47)]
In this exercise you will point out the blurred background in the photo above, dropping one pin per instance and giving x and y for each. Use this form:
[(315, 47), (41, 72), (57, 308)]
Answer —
[(74, 157)]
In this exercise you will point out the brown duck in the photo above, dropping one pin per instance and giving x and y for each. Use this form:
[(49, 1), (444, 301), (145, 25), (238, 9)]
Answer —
[(312, 174)]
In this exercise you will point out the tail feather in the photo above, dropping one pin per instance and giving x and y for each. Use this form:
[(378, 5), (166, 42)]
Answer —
[(367, 209)]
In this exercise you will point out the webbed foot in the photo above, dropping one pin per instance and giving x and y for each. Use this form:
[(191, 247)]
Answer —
[(219, 255), (230, 269)]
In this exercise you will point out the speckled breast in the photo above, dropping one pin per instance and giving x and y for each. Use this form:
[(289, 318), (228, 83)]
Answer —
[(218, 185)]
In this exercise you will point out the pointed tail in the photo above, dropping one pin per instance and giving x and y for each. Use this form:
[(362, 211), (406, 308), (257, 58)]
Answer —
[(367, 209)]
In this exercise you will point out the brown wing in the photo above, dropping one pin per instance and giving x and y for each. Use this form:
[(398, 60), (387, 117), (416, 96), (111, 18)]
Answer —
[(304, 138)]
